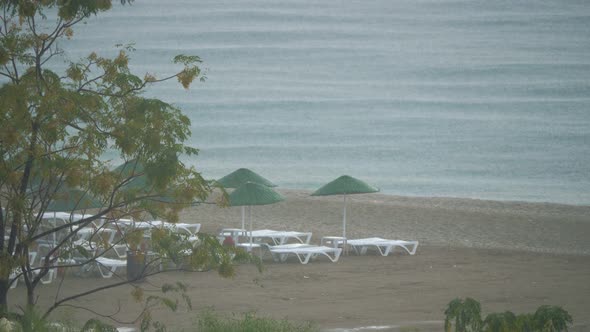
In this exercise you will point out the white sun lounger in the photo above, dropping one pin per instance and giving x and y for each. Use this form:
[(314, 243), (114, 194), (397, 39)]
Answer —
[(108, 266), (190, 229), (51, 273), (304, 252), (15, 274), (108, 239), (13, 277), (47, 279), (280, 237), (384, 246)]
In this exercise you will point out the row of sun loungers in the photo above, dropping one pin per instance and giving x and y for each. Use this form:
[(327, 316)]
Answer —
[(280, 250), (109, 266), (99, 240), (277, 243), (280, 245)]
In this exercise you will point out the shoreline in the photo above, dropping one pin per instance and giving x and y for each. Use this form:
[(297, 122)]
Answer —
[(307, 192), (408, 196)]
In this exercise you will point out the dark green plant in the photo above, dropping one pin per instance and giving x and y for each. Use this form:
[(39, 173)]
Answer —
[(465, 314), (525, 323), (550, 318), (31, 320), (500, 322)]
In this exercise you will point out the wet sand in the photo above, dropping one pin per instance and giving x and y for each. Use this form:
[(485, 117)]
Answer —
[(508, 255)]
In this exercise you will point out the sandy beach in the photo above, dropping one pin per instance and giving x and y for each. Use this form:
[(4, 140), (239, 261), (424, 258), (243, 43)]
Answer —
[(508, 255)]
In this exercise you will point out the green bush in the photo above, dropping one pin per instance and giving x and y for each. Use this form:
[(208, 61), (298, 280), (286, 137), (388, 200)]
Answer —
[(500, 322), (465, 316), (549, 318), (249, 322)]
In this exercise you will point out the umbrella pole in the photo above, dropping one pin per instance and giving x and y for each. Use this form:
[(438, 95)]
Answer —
[(243, 217), (54, 225), (344, 227), (250, 216), (344, 218)]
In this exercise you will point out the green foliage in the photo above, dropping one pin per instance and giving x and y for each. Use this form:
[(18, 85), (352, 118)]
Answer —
[(467, 317), (171, 245), (525, 323), (551, 319), (500, 322), (210, 322), (151, 302), (191, 69), (202, 255), (67, 130), (209, 254), (30, 320), (58, 126)]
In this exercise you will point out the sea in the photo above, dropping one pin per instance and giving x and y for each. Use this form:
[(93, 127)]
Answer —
[(447, 98)]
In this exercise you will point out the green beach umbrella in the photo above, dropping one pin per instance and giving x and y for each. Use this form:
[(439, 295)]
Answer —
[(240, 177), (252, 193), (140, 182), (133, 169), (72, 200), (345, 185)]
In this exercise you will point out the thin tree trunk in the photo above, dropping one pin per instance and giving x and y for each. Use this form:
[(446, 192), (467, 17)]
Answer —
[(3, 296), (30, 295)]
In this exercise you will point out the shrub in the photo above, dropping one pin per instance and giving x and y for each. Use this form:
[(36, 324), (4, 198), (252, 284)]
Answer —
[(465, 316), (550, 318), (210, 322), (500, 322)]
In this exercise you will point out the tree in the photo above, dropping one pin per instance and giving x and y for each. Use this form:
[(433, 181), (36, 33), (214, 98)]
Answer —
[(59, 126)]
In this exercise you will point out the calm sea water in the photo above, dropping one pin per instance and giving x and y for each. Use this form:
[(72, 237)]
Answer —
[(478, 99)]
